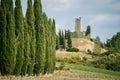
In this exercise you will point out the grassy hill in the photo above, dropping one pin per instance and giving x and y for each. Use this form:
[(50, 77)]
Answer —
[(83, 44)]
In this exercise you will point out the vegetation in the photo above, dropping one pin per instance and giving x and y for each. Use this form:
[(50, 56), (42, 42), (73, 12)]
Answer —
[(69, 40), (72, 50), (7, 38), (32, 38), (27, 43), (88, 31), (91, 69)]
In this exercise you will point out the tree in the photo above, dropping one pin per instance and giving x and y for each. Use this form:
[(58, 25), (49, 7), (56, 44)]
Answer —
[(47, 45), (57, 42), (88, 31), (69, 40), (60, 37), (40, 38), (30, 21), (7, 38), (20, 37), (63, 41), (66, 34), (26, 49), (3, 39), (114, 42), (54, 44)]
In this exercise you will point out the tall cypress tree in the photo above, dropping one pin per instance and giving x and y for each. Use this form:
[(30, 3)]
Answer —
[(8, 47), (26, 49), (40, 38), (69, 40), (30, 21), (63, 40), (88, 31), (20, 37), (57, 42), (47, 52), (3, 37), (54, 45)]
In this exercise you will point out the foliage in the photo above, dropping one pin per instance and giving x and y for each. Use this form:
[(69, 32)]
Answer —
[(20, 37), (27, 44), (69, 40), (57, 42), (88, 31), (40, 38), (26, 49), (31, 30), (114, 43), (72, 50), (7, 38)]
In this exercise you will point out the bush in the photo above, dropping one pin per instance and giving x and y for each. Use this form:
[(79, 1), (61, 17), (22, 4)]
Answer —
[(72, 50)]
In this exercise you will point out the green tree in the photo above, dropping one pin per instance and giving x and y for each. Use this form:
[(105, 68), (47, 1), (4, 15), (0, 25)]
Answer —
[(69, 40), (66, 34), (50, 45), (7, 38), (114, 43), (54, 45), (88, 31), (26, 49), (47, 45), (60, 37), (20, 37), (63, 41), (3, 36), (57, 42), (30, 21), (40, 38)]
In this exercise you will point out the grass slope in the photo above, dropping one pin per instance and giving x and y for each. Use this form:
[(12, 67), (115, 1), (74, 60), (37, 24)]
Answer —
[(92, 69)]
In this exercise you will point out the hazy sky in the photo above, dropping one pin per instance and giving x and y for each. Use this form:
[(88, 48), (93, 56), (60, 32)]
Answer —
[(102, 15)]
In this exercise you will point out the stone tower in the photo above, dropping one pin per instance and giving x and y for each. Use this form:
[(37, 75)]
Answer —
[(78, 25), (79, 33)]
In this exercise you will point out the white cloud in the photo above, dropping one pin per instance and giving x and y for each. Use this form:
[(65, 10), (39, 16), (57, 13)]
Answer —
[(58, 5), (104, 18)]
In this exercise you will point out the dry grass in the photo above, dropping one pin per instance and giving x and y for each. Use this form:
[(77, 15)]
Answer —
[(83, 44), (63, 54), (67, 75)]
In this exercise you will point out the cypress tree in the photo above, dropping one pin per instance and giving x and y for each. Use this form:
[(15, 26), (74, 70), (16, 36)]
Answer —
[(3, 37), (30, 21), (69, 40), (8, 47), (88, 31), (50, 45), (63, 40), (60, 37), (20, 37), (57, 42), (54, 45), (47, 52), (26, 49), (40, 38), (66, 34)]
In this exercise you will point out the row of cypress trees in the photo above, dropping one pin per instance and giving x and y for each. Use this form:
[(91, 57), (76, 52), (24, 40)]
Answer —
[(63, 40), (27, 45)]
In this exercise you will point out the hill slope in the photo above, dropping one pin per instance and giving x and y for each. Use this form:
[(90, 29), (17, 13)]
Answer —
[(83, 44)]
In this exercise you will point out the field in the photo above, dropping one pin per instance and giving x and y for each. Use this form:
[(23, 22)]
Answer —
[(76, 72)]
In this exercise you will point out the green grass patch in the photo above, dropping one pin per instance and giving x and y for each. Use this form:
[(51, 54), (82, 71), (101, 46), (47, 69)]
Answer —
[(90, 69)]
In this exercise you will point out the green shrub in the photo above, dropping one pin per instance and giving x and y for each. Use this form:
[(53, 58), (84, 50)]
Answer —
[(72, 50)]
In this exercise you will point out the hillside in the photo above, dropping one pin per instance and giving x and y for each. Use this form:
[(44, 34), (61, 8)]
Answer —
[(83, 44)]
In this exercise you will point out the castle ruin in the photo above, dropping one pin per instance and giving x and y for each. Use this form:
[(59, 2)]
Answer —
[(79, 33)]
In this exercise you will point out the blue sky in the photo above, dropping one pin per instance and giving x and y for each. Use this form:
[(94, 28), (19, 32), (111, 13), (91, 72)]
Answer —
[(102, 15)]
